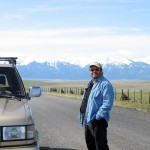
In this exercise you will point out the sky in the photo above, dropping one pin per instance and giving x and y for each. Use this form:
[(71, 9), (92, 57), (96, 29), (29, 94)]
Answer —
[(75, 30)]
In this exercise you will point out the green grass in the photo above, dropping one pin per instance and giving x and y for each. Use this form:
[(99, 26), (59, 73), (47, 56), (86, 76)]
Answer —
[(131, 84), (118, 84), (138, 91), (133, 105)]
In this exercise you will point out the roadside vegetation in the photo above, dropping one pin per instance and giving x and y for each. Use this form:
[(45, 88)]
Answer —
[(128, 94)]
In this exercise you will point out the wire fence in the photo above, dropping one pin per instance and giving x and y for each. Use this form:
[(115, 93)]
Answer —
[(137, 96)]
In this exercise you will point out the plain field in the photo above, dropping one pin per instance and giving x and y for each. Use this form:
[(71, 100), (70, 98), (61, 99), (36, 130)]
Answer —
[(118, 84), (137, 91)]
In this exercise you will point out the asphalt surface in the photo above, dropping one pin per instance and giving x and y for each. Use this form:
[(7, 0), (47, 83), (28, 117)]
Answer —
[(57, 121)]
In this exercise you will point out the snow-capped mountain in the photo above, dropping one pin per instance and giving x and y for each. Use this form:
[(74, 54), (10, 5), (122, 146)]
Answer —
[(113, 70)]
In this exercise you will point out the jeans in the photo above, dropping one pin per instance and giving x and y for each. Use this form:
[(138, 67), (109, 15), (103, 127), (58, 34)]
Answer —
[(96, 135)]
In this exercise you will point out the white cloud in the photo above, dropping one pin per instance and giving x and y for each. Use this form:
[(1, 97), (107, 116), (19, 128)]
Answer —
[(13, 16), (22, 12), (141, 10), (73, 44)]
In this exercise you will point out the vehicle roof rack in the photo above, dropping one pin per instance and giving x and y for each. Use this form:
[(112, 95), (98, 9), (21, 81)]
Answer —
[(11, 60)]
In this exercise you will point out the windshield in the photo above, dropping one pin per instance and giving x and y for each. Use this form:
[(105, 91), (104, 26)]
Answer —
[(10, 82)]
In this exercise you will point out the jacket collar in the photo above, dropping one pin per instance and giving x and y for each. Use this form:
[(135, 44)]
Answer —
[(99, 79)]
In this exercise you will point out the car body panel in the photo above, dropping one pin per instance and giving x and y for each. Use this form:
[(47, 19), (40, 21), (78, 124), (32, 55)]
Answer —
[(15, 110)]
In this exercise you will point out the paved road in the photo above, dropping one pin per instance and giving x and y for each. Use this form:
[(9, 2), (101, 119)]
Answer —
[(56, 119)]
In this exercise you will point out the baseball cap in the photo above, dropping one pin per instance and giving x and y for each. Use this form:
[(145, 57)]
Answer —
[(96, 64)]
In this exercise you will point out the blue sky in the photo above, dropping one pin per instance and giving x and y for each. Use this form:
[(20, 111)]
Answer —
[(75, 30)]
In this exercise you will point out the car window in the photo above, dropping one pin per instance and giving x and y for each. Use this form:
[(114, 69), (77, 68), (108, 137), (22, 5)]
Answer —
[(3, 80), (9, 79)]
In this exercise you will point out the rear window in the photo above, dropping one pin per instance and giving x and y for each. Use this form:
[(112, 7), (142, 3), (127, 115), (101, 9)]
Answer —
[(10, 80)]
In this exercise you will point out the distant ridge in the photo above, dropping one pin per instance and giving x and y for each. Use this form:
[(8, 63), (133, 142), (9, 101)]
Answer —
[(65, 70)]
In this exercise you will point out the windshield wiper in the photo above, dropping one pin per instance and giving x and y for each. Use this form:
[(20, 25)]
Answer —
[(19, 95), (6, 96), (10, 97)]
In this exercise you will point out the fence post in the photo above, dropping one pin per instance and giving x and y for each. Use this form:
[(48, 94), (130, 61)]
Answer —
[(128, 93), (134, 95), (149, 97), (76, 91), (66, 90), (121, 94), (141, 96), (115, 94)]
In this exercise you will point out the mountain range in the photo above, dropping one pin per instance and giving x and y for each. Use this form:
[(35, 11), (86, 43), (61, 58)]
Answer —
[(65, 70)]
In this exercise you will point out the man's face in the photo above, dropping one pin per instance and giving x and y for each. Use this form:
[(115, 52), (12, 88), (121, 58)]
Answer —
[(95, 72)]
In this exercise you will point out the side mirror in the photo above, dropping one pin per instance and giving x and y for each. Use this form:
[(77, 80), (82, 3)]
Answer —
[(34, 91)]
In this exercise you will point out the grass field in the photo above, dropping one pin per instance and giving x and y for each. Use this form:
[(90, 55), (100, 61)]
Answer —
[(119, 84), (131, 84), (138, 91), (55, 83)]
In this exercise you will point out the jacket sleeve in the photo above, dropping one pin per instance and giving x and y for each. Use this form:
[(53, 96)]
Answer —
[(80, 118), (107, 102)]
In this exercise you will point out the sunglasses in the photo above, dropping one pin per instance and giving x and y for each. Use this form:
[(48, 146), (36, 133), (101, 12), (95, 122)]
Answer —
[(94, 69)]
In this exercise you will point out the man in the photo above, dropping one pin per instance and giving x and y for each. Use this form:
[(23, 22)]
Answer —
[(95, 108)]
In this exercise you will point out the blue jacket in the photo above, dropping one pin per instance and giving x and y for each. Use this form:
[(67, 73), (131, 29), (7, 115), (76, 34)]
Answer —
[(100, 101)]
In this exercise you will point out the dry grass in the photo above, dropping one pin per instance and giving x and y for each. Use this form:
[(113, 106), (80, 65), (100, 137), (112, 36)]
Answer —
[(119, 85)]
